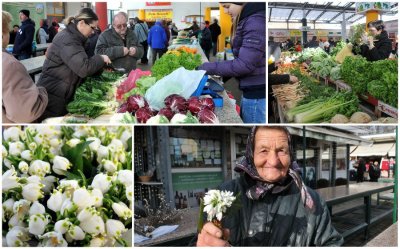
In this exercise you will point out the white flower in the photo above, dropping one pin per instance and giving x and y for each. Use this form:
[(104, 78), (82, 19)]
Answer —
[(8, 207), (75, 233), (52, 239), (23, 167), (36, 208), (97, 242), (55, 142), (4, 151), (115, 228), (9, 180), (109, 166), (39, 167), (26, 155), (69, 184), (7, 163), (16, 220), (97, 196), (60, 165), (102, 182), (67, 206), (21, 207), (216, 203), (32, 191), (116, 145), (48, 183), (48, 132), (94, 146), (90, 221), (102, 153), (125, 137), (129, 192), (34, 179), (17, 237), (15, 148), (82, 198), (125, 177), (12, 134), (32, 146), (62, 226), (73, 142), (55, 201), (122, 210), (37, 224), (121, 156)]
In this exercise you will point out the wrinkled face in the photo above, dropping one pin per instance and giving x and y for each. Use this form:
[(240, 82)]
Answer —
[(271, 154), (232, 9), (120, 25)]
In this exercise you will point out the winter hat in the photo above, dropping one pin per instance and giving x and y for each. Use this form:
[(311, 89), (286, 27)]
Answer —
[(25, 12)]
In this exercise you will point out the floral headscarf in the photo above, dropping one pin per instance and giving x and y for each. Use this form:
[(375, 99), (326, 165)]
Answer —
[(246, 165)]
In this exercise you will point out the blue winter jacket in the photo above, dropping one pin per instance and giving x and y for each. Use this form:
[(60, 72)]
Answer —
[(24, 38), (157, 37)]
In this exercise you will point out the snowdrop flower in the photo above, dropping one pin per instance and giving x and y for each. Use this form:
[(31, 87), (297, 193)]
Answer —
[(109, 166), (37, 224), (82, 198), (90, 221), (23, 167), (125, 137), (48, 183), (60, 165), (69, 184), (216, 203), (116, 145), (102, 153), (94, 146), (102, 182), (48, 132), (98, 241), (17, 236), (16, 221), (122, 210), (32, 191), (81, 131), (73, 142), (34, 179), (125, 177), (36, 208), (7, 163), (67, 206), (75, 233), (9, 180), (4, 151), (15, 148), (97, 196), (12, 134), (21, 207), (39, 167), (26, 155), (115, 228), (62, 226), (52, 239), (8, 207), (55, 142), (55, 201), (129, 192), (32, 146)]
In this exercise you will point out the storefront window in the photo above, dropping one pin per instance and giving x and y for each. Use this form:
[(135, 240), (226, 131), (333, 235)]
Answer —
[(341, 162), (326, 162)]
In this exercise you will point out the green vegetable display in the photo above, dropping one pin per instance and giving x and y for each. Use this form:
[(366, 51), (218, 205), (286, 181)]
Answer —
[(355, 71), (339, 46), (322, 65), (142, 85)]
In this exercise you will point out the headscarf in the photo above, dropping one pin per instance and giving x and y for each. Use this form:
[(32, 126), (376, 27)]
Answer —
[(261, 188)]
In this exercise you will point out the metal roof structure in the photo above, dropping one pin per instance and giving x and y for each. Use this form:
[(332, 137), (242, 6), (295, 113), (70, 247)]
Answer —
[(323, 12)]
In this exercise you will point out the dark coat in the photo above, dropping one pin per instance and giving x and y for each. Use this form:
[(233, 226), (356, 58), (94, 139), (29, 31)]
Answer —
[(215, 31), (24, 38), (64, 68), (381, 50), (52, 33), (312, 44), (111, 44), (248, 47), (279, 219), (206, 42)]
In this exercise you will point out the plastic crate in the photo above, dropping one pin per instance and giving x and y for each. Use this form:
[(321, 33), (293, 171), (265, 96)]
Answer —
[(203, 89)]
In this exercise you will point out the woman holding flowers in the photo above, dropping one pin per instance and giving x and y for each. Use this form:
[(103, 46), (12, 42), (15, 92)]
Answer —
[(277, 209)]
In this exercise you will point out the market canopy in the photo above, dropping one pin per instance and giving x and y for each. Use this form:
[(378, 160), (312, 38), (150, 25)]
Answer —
[(381, 149), (323, 12)]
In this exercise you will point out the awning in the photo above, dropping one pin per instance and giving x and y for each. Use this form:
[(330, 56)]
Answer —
[(381, 149)]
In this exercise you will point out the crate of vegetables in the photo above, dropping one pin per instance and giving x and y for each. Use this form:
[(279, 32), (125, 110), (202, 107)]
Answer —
[(210, 87)]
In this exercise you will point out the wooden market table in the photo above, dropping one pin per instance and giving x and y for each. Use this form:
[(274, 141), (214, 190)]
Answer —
[(34, 65)]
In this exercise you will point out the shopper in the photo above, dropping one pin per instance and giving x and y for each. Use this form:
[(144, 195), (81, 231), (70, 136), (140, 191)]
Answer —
[(142, 31), (42, 34), (289, 44), (274, 48), (157, 39), (193, 29), (120, 44), (277, 208), (374, 172), (24, 38), (174, 30), (205, 39), (215, 32), (248, 66), (67, 62), (53, 31), (360, 170), (378, 46), (298, 47), (23, 101), (168, 33), (13, 33), (313, 43)]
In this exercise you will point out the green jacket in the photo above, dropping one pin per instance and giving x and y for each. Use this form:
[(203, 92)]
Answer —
[(112, 45), (279, 219)]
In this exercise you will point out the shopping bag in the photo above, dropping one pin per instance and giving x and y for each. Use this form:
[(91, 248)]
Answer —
[(181, 81)]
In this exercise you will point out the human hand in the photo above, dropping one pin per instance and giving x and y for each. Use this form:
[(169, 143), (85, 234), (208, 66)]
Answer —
[(364, 39), (370, 41), (293, 79), (211, 235), (132, 51), (106, 59), (126, 51)]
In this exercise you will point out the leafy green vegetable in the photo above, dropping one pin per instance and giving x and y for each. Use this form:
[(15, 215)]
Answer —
[(309, 53), (339, 46), (355, 71)]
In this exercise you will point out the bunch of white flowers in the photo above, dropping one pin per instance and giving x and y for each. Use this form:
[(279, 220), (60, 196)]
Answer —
[(67, 185), (216, 203)]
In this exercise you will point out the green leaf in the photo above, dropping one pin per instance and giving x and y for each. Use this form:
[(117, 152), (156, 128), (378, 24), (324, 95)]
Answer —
[(200, 223), (75, 155)]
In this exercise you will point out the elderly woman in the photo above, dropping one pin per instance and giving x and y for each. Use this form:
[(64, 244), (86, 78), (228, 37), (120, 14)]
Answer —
[(23, 101), (277, 208)]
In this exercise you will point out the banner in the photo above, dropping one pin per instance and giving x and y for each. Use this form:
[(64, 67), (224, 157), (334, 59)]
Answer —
[(158, 3), (188, 181), (158, 14), (379, 6)]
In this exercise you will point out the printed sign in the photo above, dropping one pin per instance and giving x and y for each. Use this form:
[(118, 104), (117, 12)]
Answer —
[(380, 6)]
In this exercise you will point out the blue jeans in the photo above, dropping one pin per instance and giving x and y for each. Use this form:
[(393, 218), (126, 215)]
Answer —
[(253, 110)]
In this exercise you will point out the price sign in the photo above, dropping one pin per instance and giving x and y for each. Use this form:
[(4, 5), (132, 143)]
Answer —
[(391, 111)]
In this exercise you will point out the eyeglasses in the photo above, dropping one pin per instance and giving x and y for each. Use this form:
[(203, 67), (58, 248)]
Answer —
[(93, 28), (120, 26)]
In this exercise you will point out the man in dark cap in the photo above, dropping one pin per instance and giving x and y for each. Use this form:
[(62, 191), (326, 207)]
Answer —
[(215, 32), (24, 38)]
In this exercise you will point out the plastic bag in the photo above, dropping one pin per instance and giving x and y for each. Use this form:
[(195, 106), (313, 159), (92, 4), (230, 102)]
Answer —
[(129, 83), (181, 81)]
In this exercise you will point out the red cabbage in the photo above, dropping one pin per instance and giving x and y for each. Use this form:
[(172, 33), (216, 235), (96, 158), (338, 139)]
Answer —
[(143, 114), (168, 100), (194, 105), (167, 112), (123, 108), (208, 102), (135, 102), (207, 116), (179, 105)]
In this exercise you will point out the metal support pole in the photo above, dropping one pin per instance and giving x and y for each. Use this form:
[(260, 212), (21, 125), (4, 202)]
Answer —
[(304, 152), (395, 179), (334, 151), (165, 162), (347, 163), (344, 35)]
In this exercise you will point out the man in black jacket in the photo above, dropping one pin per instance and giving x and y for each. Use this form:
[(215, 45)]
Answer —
[(378, 46), (277, 209), (215, 32), (24, 38)]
